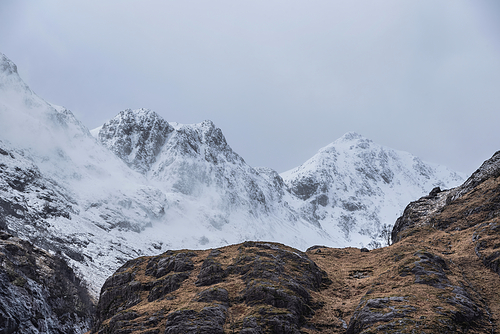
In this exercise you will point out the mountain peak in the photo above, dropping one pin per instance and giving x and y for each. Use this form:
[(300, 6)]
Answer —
[(138, 115), (136, 136), (207, 123), (356, 185), (350, 140), (9, 78), (350, 136), (7, 66)]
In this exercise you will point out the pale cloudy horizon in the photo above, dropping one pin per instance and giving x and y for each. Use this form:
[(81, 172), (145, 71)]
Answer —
[(280, 78)]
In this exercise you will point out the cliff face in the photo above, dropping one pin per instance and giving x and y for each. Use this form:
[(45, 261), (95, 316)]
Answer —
[(39, 293), (442, 275), (474, 202), (136, 137)]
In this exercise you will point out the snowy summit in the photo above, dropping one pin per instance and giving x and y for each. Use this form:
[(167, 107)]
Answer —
[(139, 185)]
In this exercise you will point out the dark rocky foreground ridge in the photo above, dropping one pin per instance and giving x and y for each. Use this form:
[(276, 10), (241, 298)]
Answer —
[(39, 292), (441, 275)]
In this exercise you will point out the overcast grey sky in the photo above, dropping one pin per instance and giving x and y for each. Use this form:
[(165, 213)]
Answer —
[(280, 78)]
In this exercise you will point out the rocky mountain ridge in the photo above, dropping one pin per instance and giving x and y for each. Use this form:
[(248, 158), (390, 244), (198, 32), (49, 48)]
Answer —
[(352, 186), (442, 275), (40, 293)]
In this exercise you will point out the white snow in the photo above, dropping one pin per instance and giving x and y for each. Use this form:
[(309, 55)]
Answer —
[(195, 192), (366, 186), (95, 132)]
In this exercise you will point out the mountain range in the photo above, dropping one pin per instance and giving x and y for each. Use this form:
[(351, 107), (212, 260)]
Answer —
[(139, 185), (440, 275)]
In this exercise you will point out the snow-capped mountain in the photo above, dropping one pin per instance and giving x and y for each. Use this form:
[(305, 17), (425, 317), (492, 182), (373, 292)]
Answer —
[(352, 189), (140, 185), (179, 186), (136, 137), (214, 196), (62, 190), (355, 186)]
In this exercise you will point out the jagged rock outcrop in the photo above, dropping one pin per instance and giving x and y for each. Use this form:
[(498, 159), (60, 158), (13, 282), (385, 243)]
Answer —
[(136, 137), (389, 310), (476, 199), (210, 319), (39, 292), (253, 287), (419, 212)]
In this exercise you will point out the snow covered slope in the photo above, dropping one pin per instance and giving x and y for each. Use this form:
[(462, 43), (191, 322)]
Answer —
[(172, 188), (215, 198), (356, 186), (62, 190), (146, 185)]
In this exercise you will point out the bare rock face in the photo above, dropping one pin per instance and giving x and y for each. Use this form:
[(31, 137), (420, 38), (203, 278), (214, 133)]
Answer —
[(136, 137), (39, 293), (419, 212), (254, 287), (392, 314), (487, 245), (208, 320), (388, 310)]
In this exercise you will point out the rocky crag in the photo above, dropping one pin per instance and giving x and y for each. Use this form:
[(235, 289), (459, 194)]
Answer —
[(441, 275), (250, 287), (39, 292)]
